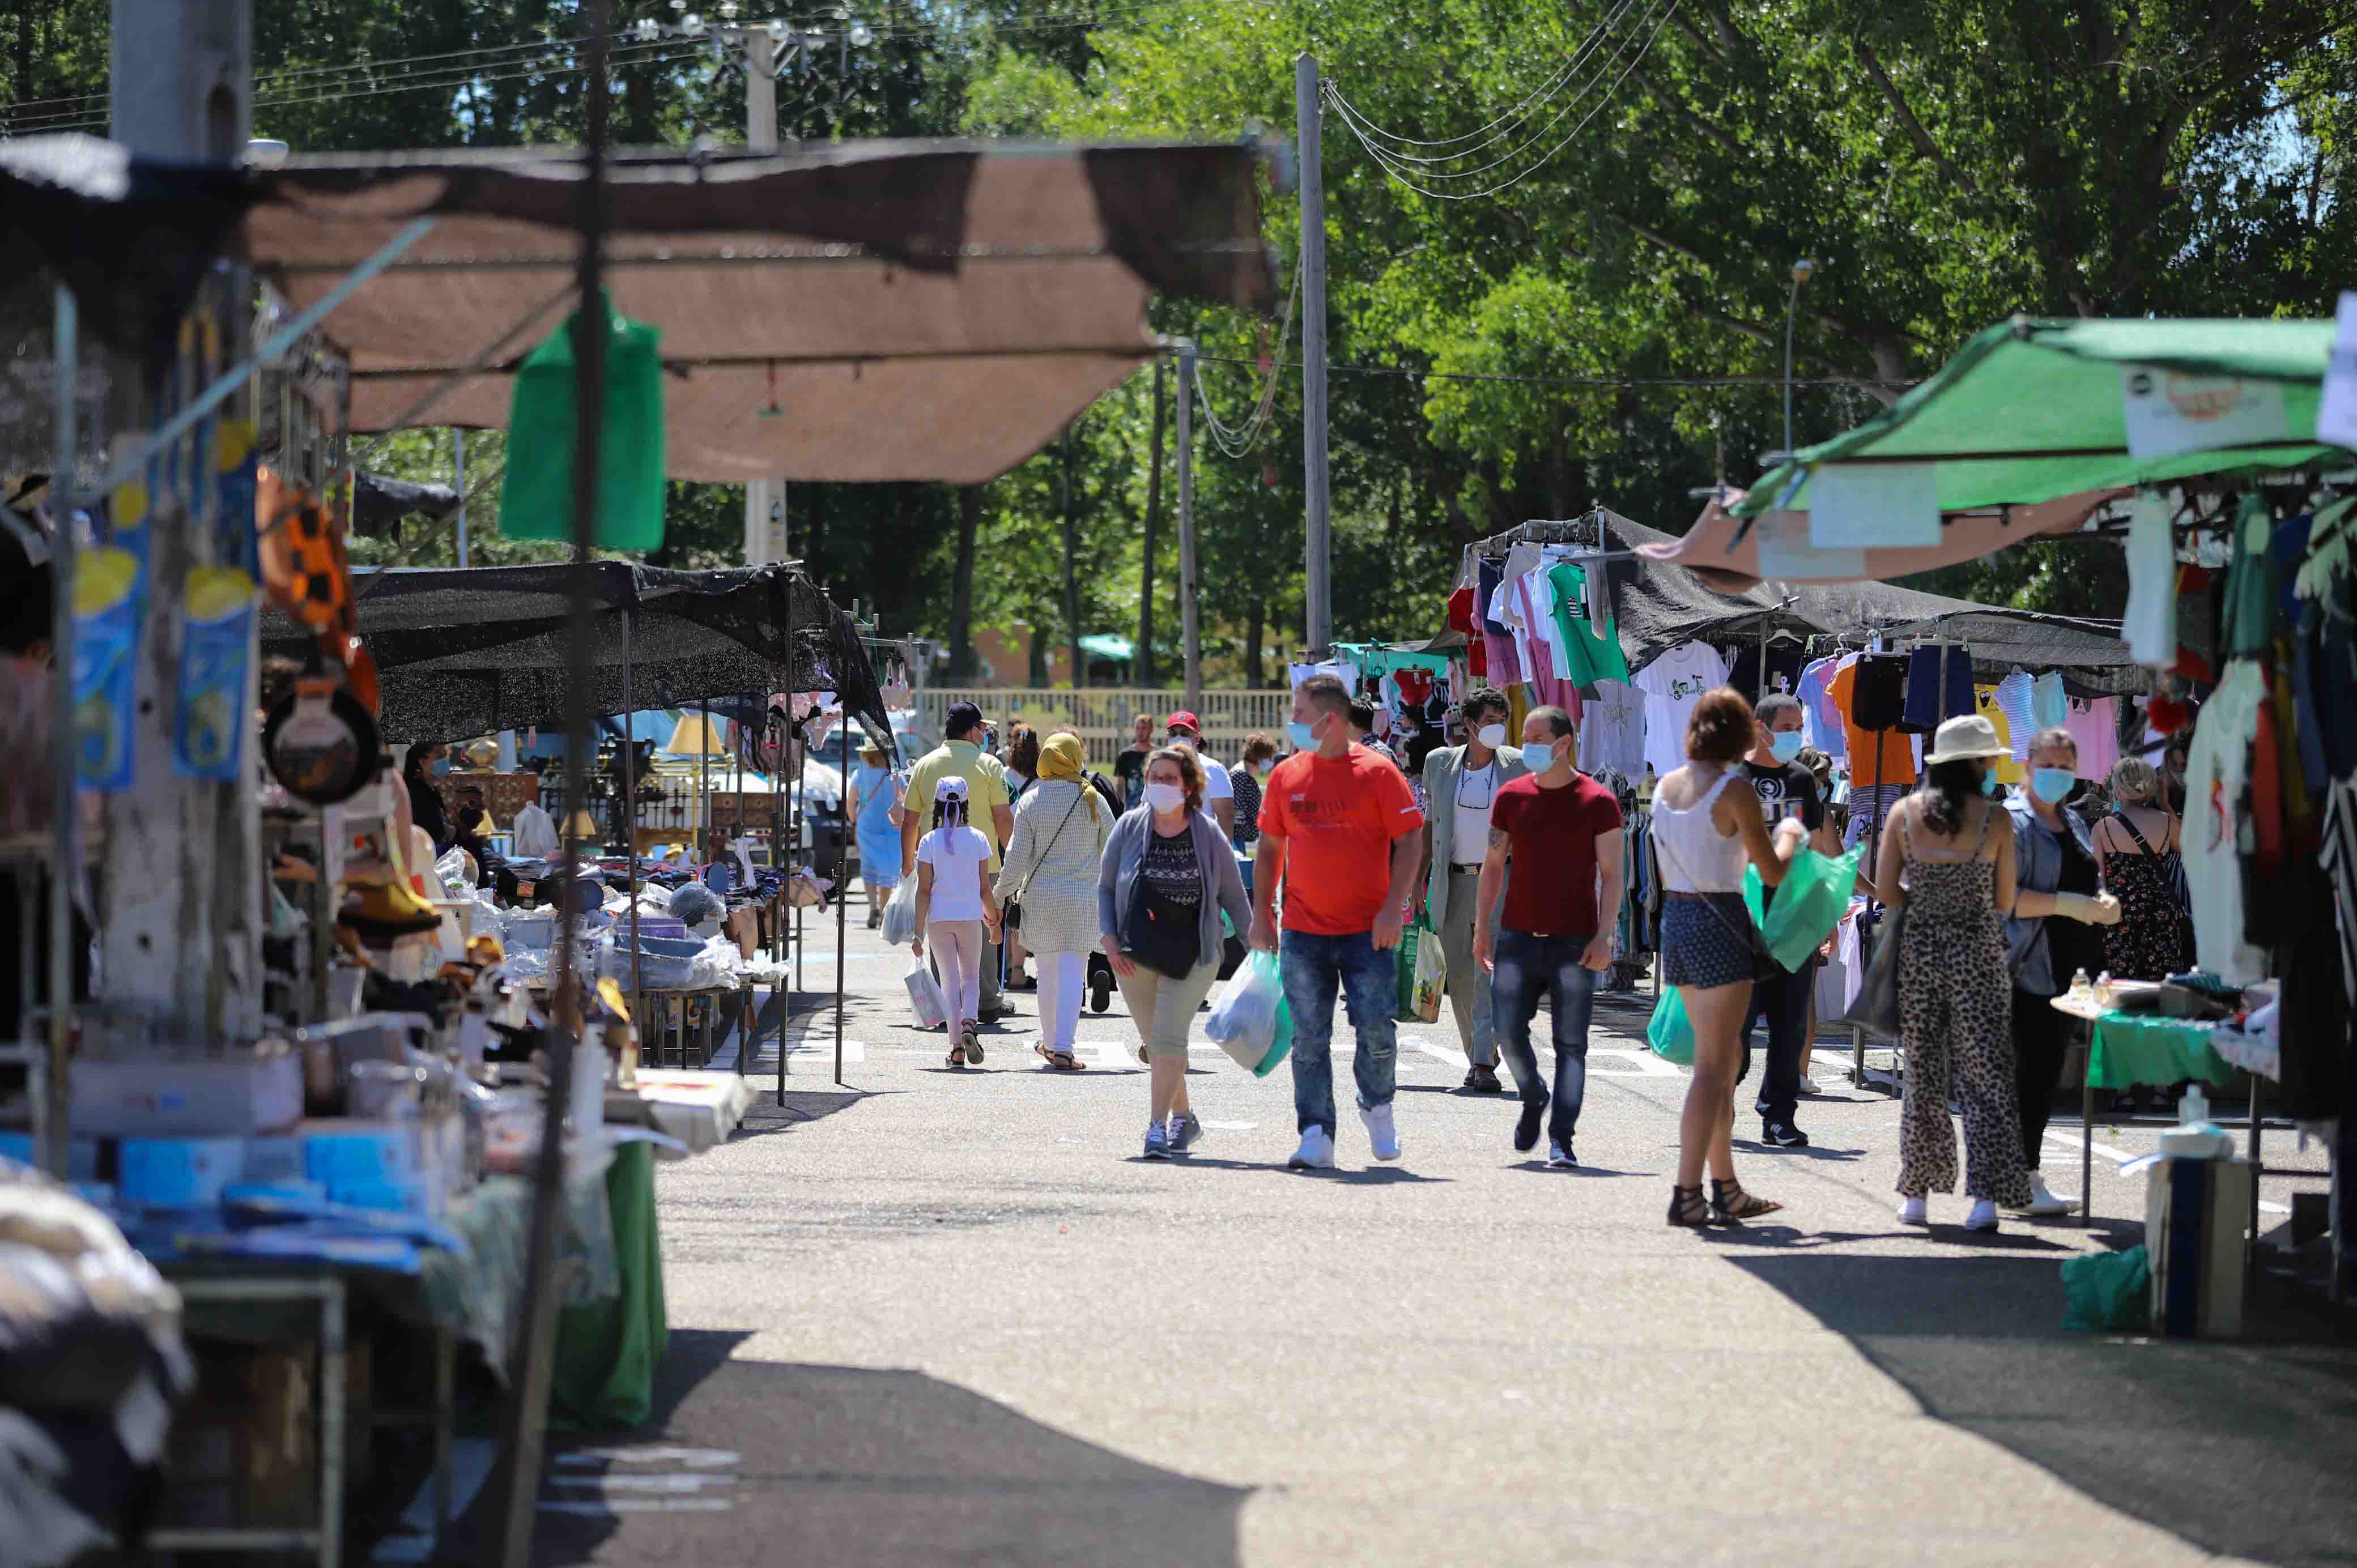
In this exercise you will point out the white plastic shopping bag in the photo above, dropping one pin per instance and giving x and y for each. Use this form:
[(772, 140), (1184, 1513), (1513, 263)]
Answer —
[(1244, 1015), (901, 914), (925, 999)]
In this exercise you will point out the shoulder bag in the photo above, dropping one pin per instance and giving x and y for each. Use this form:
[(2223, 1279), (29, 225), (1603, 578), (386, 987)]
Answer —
[(1763, 963)]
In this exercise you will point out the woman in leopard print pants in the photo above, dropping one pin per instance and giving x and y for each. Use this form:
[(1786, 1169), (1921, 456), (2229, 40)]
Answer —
[(1955, 880)]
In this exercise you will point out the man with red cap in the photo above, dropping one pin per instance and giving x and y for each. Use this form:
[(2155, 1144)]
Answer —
[(1219, 791)]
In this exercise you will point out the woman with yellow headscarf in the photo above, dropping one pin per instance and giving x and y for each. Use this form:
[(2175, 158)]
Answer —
[(1049, 871)]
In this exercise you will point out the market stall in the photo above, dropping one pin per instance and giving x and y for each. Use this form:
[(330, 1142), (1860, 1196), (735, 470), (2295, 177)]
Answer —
[(867, 311)]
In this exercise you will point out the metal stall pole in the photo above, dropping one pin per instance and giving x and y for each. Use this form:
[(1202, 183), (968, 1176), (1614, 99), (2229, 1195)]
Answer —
[(523, 1417), (629, 814), (842, 895), (50, 1115)]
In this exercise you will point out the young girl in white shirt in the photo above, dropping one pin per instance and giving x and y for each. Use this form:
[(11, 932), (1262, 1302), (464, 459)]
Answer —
[(954, 906)]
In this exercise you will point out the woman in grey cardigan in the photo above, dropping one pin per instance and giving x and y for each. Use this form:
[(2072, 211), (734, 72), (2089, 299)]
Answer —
[(1051, 869), (1168, 874)]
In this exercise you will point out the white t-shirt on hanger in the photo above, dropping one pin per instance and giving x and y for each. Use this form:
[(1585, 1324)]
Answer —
[(1673, 684), (1612, 730)]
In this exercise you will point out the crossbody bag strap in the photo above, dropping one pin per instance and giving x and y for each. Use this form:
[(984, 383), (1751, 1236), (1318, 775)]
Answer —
[(1751, 936), (1051, 844), (2122, 818)]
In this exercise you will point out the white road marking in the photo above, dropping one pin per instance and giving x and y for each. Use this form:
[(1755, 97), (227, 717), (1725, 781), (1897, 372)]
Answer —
[(694, 1458), (2121, 1157), (687, 1481), (1212, 1126), (1640, 1063), (600, 1509)]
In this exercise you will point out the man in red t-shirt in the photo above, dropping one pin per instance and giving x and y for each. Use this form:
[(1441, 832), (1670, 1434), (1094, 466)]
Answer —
[(1340, 830), (1561, 830)]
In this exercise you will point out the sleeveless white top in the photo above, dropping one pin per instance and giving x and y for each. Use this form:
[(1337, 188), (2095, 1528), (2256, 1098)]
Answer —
[(1695, 856)]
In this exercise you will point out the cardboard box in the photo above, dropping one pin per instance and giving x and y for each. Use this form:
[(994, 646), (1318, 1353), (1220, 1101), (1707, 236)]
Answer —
[(2196, 1218), (155, 1096)]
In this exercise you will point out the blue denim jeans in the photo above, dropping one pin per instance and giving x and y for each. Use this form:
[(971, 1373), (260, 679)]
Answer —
[(1367, 976), (1526, 966)]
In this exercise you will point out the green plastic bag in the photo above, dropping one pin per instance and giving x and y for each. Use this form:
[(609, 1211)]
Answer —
[(2108, 1292), (1669, 1032), (1809, 903), (536, 497)]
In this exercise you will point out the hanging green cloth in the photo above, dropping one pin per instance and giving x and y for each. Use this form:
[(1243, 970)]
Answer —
[(607, 1352), (1593, 651), (536, 497)]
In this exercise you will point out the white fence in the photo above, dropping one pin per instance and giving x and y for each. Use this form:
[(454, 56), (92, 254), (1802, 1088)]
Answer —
[(1102, 716)]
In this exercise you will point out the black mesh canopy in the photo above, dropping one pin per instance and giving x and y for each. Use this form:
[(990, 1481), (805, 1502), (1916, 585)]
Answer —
[(467, 652)]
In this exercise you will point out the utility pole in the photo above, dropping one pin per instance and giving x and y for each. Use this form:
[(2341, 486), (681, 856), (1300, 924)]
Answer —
[(1317, 594), (459, 482), (765, 500), (1153, 532), (181, 894), (1072, 572), (1190, 613)]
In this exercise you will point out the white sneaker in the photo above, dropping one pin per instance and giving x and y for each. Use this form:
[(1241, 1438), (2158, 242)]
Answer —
[(1380, 1132), (1317, 1151), (1982, 1217), (1809, 1085), (1912, 1211), (2043, 1202)]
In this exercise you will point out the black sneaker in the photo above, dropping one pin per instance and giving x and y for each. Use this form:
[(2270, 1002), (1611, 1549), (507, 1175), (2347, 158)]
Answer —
[(1484, 1080), (1526, 1131), (1782, 1135), (1560, 1158)]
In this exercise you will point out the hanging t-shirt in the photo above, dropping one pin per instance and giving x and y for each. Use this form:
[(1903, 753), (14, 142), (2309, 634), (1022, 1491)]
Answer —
[(1673, 684), (1612, 730), (2149, 627), (1784, 660), (1896, 763), (1592, 652), (2095, 727), (2216, 768), (2008, 766), (2049, 705), (1821, 722), (2013, 696)]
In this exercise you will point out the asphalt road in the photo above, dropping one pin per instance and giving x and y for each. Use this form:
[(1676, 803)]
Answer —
[(930, 1317)]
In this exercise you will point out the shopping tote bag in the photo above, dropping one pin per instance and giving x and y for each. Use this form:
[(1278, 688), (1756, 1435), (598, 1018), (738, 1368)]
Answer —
[(1423, 975), (926, 1001), (1249, 1020), (1809, 904), (1670, 1034)]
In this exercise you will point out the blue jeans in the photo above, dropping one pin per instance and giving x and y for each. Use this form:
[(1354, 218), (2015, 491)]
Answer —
[(1369, 977), (1527, 965)]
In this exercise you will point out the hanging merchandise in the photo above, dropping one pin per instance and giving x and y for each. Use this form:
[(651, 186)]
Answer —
[(2014, 701), (2149, 627), (1871, 693), (1590, 647), (1939, 686), (1612, 730), (2217, 771), (2252, 587), (105, 666), (536, 497), (2007, 767), (320, 743), (1785, 662), (2095, 730), (2050, 706), (1821, 723), (1673, 684), (217, 648)]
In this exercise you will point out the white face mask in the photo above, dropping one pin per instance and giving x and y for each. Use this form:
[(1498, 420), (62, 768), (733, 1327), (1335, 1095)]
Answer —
[(1491, 735), (1165, 797)]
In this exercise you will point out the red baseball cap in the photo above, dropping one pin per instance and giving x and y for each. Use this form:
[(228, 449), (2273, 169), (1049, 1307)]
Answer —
[(1184, 720)]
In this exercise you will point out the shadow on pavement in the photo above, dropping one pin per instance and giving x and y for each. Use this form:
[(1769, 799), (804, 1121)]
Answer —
[(767, 1117), (2242, 1448), (819, 1466)]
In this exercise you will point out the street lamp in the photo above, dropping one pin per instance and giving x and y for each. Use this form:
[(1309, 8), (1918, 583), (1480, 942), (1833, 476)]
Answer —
[(1802, 270)]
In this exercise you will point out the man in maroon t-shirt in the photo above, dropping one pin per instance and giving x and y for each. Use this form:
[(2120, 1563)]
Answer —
[(1561, 831)]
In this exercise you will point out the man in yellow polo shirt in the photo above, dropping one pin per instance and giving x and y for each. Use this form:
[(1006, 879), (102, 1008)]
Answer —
[(988, 807)]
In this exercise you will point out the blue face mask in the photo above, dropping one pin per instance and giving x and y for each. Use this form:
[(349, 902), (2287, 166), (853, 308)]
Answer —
[(1988, 782), (2052, 784), (1786, 744), (1538, 756), (1299, 735)]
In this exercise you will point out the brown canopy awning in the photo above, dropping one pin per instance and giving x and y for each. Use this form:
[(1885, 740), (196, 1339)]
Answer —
[(867, 311)]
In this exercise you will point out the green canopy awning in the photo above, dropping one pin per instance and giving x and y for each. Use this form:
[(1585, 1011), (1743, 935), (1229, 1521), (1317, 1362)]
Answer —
[(2031, 410), (1106, 645)]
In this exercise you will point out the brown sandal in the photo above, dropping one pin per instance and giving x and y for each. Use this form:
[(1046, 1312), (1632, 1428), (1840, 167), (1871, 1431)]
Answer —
[(1062, 1061), (1729, 1202)]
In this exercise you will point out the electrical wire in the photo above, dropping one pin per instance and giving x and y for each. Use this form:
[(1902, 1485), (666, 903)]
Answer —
[(659, 54), (1235, 441), (1379, 155), (1600, 382), (1532, 103)]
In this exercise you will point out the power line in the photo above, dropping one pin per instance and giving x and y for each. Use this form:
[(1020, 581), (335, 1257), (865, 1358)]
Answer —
[(1235, 441), (1598, 383), (1537, 99)]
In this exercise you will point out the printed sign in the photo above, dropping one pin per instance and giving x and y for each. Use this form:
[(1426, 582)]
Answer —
[(1878, 506), (2336, 416), (1785, 552), (2168, 411)]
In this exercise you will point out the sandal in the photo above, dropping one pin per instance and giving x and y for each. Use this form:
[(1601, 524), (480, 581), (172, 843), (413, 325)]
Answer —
[(957, 1055), (1729, 1202), (973, 1042), (1062, 1061), (1687, 1207)]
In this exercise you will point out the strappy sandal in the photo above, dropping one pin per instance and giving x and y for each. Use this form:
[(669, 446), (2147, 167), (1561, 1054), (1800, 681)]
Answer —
[(957, 1055), (973, 1042), (1062, 1061), (1729, 1202), (1687, 1207)]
